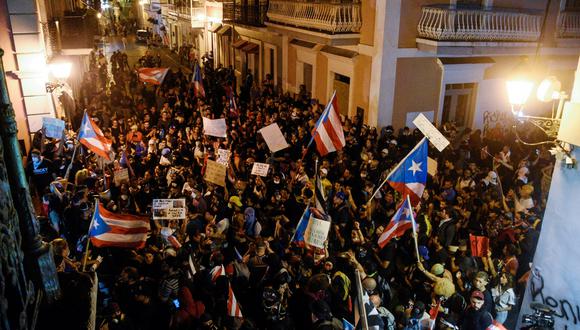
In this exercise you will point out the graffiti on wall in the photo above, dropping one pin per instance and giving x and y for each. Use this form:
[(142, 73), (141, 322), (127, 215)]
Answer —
[(492, 118)]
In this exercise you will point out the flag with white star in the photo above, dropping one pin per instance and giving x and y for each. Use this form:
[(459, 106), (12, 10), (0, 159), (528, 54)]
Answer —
[(110, 229), (402, 221), (91, 136), (410, 175)]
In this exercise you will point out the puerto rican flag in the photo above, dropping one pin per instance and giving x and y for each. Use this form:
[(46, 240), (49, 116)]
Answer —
[(410, 175), (298, 236), (328, 132), (232, 102), (433, 312), (400, 223), (197, 81), (216, 272), (109, 229), (153, 76), (233, 306), (91, 136)]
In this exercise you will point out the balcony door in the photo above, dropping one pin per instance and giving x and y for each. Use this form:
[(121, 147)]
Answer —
[(342, 86), (459, 104)]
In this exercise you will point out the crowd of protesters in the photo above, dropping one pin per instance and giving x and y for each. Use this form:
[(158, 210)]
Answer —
[(486, 185)]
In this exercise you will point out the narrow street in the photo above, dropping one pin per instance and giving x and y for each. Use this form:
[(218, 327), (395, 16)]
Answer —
[(136, 50)]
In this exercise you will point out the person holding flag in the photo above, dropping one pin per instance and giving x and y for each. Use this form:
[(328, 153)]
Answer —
[(91, 136), (328, 133), (198, 81)]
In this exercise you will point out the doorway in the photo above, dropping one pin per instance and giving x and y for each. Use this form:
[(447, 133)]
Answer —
[(342, 86), (459, 104), (307, 74)]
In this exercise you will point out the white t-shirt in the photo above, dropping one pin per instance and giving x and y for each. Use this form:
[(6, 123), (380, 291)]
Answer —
[(503, 299)]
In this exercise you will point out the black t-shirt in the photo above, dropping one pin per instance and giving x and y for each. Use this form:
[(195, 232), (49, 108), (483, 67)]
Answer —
[(41, 175)]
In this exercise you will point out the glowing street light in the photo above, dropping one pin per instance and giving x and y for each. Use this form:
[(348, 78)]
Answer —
[(60, 70)]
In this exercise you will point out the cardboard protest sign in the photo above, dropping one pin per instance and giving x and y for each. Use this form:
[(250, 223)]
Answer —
[(214, 127), (215, 173), (169, 209), (260, 169), (53, 127), (224, 156), (317, 232), (274, 137), (121, 176), (431, 132), (431, 166), (479, 245)]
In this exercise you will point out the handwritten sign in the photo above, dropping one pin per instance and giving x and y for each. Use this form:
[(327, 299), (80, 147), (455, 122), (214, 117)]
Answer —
[(431, 166), (260, 169), (274, 137), (224, 157), (121, 176), (169, 209), (53, 127), (215, 173), (317, 232), (214, 127), (431, 132)]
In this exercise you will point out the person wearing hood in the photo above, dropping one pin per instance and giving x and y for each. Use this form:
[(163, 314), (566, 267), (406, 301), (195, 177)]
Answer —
[(252, 227)]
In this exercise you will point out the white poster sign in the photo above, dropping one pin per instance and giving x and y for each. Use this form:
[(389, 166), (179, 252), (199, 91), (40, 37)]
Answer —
[(224, 157), (317, 232), (214, 127), (274, 137), (431, 132), (431, 166), (260, 169), (412, 115), (53, 127), (121, 176), (553, 279), (215, 173), (169, 209)]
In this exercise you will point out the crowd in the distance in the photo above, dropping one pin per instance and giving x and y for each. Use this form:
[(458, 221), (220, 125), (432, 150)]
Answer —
[(487, 185)]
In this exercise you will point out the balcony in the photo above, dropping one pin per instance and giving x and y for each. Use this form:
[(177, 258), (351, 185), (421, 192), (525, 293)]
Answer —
[(245, 12), (441, 25), (194, 14), (568, 24), (326, 16)]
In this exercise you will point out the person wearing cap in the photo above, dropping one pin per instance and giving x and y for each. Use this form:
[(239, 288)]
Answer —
[(480, 283), (339, 210), (476, 317)]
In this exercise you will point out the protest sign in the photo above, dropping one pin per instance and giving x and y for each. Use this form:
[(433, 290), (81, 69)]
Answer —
[(431, 166), (215, 173), (431, 132), (274, 137), (317, 232), (53, 127), (214, 127), (260, 169), (224, 157), (479, 245), (168, 209), (121, 176)]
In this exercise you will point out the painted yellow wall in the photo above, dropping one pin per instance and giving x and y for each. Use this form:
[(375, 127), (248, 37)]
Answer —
[(367, 30), (321, 78), (410, 15), (417, 88), (291, 66), (361, 84)]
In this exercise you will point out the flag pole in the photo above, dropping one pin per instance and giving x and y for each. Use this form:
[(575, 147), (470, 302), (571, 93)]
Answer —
[(361, 304), (413, 224), (86, 256), (396, 168)]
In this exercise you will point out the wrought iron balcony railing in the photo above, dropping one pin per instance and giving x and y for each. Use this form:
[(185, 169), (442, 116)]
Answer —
[(568, 24)]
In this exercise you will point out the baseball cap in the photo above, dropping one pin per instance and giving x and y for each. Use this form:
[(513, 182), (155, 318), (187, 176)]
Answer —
[(437, 269), (341, 195), (478, 295), (236, 201)]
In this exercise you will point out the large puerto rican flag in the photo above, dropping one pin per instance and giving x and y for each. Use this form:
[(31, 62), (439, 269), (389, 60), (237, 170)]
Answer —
[(400, 223), (328, 132), (410, 175), (109, 229), (153, 76), (198, 81), (91, 136)]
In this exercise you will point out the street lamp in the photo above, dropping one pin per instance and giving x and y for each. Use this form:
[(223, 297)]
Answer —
[(60, 70)]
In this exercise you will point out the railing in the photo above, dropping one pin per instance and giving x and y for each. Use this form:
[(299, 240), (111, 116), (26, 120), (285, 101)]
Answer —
[(250, 14), (330, 17), (440, 22), (569, 24)]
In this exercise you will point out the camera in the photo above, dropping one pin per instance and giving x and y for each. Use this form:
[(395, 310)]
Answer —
[(541, 319)]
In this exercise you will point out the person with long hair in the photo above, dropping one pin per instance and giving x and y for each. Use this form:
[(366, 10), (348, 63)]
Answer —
[(504, 296)]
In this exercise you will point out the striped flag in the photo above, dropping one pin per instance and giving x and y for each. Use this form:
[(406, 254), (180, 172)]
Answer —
[(197, 81), (109, 229), (216, 272), (192, 271), (298, 236), (433, 312), (328, 132), (401, 222), (153, 76), (233, 106), (233, 306), (91, 136)]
